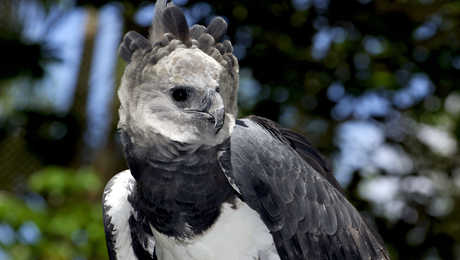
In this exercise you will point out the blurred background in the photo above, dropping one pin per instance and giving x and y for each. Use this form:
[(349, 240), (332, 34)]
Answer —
[(374, 84)]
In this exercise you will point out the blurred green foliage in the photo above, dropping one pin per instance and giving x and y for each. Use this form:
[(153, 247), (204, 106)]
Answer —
[(63, 205)]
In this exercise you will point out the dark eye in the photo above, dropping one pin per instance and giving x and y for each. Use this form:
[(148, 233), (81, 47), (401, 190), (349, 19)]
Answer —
[(180, 94)]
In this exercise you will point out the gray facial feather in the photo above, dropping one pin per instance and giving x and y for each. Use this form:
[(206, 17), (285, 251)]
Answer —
[(149, 112), (174, 59)]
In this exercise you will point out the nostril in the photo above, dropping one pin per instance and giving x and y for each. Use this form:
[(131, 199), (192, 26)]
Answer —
[(218, 90)]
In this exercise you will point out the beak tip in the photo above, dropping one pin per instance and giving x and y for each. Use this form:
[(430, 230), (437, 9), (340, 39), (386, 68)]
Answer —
[(219, 117)]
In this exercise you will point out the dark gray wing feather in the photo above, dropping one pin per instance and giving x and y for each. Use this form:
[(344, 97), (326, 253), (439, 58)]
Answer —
[(308, 217), (302, 146)]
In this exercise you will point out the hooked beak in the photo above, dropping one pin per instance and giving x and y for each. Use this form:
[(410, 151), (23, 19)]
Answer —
[(219, 118), (212, 107)]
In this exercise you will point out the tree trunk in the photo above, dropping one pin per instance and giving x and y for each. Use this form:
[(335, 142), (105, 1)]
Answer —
[(78, 109)]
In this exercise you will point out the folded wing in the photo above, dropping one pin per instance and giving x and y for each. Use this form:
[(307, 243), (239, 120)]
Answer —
[(307, 215)]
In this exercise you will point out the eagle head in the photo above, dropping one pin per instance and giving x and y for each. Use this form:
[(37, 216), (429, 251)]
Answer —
[(179, 86)]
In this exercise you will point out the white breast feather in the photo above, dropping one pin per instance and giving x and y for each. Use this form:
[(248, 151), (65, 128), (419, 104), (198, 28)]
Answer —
[(238, 234)]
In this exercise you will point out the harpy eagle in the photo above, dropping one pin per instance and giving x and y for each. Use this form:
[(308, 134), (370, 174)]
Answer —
[(203, 185)]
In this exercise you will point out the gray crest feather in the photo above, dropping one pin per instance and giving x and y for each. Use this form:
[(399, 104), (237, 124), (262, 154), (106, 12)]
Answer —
[(205, 41), (131, 42), (169, 19), (174, 22), (227, 45), (217, 28), (157, 30), (197, 30)]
